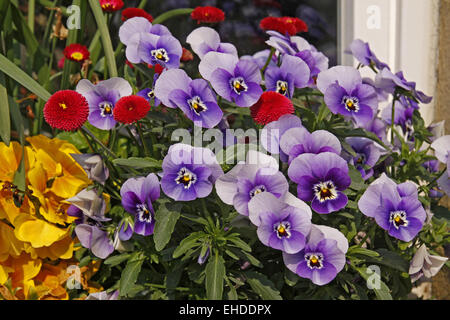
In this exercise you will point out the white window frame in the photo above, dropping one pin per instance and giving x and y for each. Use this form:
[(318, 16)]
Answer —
[(402, 33)]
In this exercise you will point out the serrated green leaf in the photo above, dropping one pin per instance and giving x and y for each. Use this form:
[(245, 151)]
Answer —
[(240, 244), (118, 259), (187, 243), (130, 274), (262, 286)]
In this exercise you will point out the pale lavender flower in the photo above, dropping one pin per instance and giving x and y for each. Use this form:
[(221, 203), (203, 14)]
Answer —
[(424, 264), (93, 165), (205, 39)]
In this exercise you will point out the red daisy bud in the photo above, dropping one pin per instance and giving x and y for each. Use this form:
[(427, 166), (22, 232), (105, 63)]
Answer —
[(76, 52), (270, 107), (61, 62), (187, 55), (111, 5), (130, 109), (208, 14), (129, 13), (284, 25), (66, 110)]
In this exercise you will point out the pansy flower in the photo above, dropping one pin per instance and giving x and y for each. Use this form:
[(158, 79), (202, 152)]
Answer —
[(280, 225), (194, 97), (93, 237), (149, 93), (425, 264), (102, 98), (297, 141), (260, 173), (366, 155), (233, 79), (272, 133), (441, 148), (362, 52), (189, 172), (345, 94), (396, 208), (321, 179), (322, 258), (138, 195), (403, 117), (207, 14), (93, 165), (205, 39), (293, 73)]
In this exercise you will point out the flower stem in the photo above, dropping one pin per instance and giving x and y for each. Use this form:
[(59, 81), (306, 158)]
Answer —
[(141, 135), (172, 13), (89, 133), (272, 51)]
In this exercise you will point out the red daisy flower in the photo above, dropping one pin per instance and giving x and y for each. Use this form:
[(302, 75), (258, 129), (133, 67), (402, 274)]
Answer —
[(207, 14), (130, 109), (61, 63), (270, 107), (187, 55), (111, 5), (129, 13), (283, 25), (66, 110), (76, 52), (158, 68)]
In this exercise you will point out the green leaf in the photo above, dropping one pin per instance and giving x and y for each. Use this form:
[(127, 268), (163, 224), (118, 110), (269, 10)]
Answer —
[(75, 138), (362, 251), (262, 286), (106, 39), (5, 121), (383, 293), (357, 180), (187, 243), (24, 34), (130, 274), (215, 273), (14, 72), (240, 244), (138, 163), (165, 220), (118, 259), (171, 14)]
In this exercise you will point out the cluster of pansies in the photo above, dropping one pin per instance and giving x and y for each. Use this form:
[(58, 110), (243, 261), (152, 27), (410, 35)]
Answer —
[(334, 171), (36, 243)]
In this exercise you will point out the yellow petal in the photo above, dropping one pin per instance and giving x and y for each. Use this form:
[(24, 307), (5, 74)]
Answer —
[(37, 232)]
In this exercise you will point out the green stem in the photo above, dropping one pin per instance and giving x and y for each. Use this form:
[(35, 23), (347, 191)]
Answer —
[(141, 135), (171, 14), (31, 9), (269, 58), (87, 140), (89, 133)]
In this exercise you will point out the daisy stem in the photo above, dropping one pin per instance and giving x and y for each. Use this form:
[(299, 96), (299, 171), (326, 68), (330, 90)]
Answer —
[(87, 140), (89, 133), (141, 135), (272, 51)]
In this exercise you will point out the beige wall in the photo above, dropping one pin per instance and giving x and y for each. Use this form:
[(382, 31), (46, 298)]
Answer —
[(442, 110)]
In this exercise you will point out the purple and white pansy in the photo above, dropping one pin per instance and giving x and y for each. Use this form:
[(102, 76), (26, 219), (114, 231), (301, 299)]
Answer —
[(205, 39), (233, 79), (102, 98)]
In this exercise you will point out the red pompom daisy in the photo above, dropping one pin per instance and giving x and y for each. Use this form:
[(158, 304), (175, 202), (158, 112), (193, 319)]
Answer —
[(111, 5), (130, 109), (283, 25), (270, 107), (66, 110), (187, 55), (129, 13), (208, 14), (76, 52)]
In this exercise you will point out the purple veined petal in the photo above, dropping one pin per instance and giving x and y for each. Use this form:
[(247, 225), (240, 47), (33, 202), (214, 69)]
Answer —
[(295, 243), (413, 208), (444, 182), (201, 88), (406, 233), (329, 206), (91, 204), (177, 191), (121, 85), (347, 77), (202, 172), (301, 166), (322, 138), (262, 160), (160, 30), (168, 81), (144, 228), (370, 202), (291, 261), (293, 201), (146, 44), (131, 27), (85, 87), (211, 117), (240, 203), (272, 75), (262, 204), (130, 201), (250, 97), (150, 187), (333, 99), (215, 60), (320, 232), (174, 49), (248, 70), (125, 231), (180, 99), (407, 189), (326, 161), (133, 185), (84, 234), (386, 80), (179, 155), (220, 80), (101, 245), (132, 50), (325, 275), (274, 131), (203, 35), (203, 188), (301, 43), (305, 188), (367, 96), (360, 50), (441, 148), (298, 68), (340, 178), (275, 184)]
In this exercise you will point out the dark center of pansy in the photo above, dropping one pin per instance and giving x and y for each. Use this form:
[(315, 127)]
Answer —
[(360, 159), (325, 191), (256, 190), (314, 260), (398, 219), (282, 87), (105, 108), (160, 54), (282, 230), (151, 94), (144, 215), (186, 178), (351, 103), (197, 105), (238, 84)]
